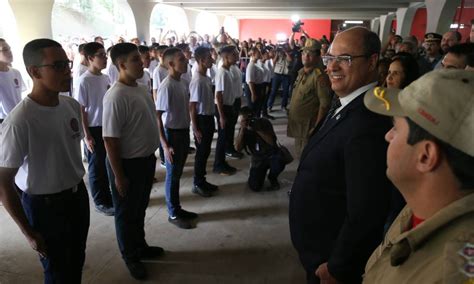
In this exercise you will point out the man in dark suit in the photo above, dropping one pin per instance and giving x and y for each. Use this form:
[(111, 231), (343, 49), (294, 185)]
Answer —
[(340, 197)]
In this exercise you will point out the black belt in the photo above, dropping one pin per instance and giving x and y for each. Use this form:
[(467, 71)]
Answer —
[(177, 130)]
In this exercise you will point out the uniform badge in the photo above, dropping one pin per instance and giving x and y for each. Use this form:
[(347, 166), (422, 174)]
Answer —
[(467, 251), (16, 82), (74, 125), (338, 116), (468, 269)]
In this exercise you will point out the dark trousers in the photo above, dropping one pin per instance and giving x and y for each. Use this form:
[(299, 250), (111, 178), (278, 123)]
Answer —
[(178, 139), (98, 180), (130, 209), (205, 123), (277, 80), (229, 144), (267, 89), (259, 168), (257, 105), (1, 121), (223, 136), (62, 219)]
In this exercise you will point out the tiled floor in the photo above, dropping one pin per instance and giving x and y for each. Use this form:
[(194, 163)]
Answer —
[(241, 236)]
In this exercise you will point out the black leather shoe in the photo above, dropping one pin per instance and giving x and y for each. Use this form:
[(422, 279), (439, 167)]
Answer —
[(137, 269), (201, 190), (211, 187), (186, 214), (180, 222), (151, 252)]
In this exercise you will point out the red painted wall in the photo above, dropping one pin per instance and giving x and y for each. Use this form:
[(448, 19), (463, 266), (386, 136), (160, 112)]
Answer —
[(418, 27), (467, 15), (253, 28)]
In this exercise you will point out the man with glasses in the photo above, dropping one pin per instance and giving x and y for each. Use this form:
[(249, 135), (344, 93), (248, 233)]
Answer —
[(310, 98), (340, 197), (41, 156), (11, 82)]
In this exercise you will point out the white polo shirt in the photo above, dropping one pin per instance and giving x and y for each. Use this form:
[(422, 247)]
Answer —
[(145, 80), (224, 84), (112, 72), (211, 72), (44, 143), (254, 73), (236, 81), (130, 116), (90, 93), (11, 86), (173, 100), (153, 65), (201, 92)]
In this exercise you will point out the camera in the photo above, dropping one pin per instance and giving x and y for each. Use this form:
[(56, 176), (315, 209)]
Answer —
[(297, 26)]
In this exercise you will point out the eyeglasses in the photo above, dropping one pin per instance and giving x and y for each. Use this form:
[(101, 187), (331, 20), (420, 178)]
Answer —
[(58, 66), (343, 60)]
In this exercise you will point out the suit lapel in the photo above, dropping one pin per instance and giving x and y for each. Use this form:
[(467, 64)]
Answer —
[(331, 124)]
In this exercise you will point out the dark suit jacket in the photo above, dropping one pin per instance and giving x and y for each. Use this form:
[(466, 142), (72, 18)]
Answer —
[(340, 197)]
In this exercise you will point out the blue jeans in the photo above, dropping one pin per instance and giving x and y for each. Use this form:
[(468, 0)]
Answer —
[(98, 180), (130, 209), (284, 80), (178, 139), (62, 219), (205, 124)]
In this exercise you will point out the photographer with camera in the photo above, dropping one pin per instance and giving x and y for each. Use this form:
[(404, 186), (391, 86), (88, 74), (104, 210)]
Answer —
[(257, 136), (282, 65)]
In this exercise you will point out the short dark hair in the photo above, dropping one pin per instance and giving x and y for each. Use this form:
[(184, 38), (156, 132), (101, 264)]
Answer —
[(201, 52), (154, 45), (161, 48), (143, 49), (460, 163), (80, 48), (462, 49), (227, 49), (121, 50), (182, 46), (169, 54), (33, 50), (410, 67), (91, 48)]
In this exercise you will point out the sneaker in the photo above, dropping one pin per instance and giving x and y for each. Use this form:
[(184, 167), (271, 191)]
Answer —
[(151, 252), (180, 222), (269, 109), (163, 165), (186, 214), (137, 269), (211, 187), (201, 190), (191, 150), (234, 155), (105, 210)]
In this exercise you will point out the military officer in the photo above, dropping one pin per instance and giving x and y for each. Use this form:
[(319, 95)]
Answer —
[(310, 98), (430, 158)]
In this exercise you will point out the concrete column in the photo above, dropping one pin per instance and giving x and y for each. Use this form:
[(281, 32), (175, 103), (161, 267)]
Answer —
[(385, 27), (142, 13), (192, 18), (375, 25), (405, 18), (33, 18), (440, 14)]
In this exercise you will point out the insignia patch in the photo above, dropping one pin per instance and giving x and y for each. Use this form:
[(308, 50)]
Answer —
[(74, 125), (16, 82), (467, 251), (468, 269)]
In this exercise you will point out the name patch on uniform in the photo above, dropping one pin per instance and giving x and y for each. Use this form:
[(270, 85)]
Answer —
[(75, 127), (467, 251), (17, 84)]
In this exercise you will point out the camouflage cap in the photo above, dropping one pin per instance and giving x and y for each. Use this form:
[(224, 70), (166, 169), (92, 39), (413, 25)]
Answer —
[(441, 102), (311, 45)]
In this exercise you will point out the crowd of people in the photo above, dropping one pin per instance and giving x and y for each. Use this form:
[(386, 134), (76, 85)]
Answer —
[(375, 199)]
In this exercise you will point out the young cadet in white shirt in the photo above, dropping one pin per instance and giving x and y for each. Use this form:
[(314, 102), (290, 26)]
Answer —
[(146, 78), (238, 91), (254, 78), (40, 154), (131, 138), (90, 93), (267, 63), (154, 60), (79, 67), (160, 72), (11, 82), (172, 110), (111, 69), (224, 103), (202, 109)]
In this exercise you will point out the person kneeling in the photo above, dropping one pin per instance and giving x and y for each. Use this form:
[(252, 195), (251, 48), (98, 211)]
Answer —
[(258, 138)]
